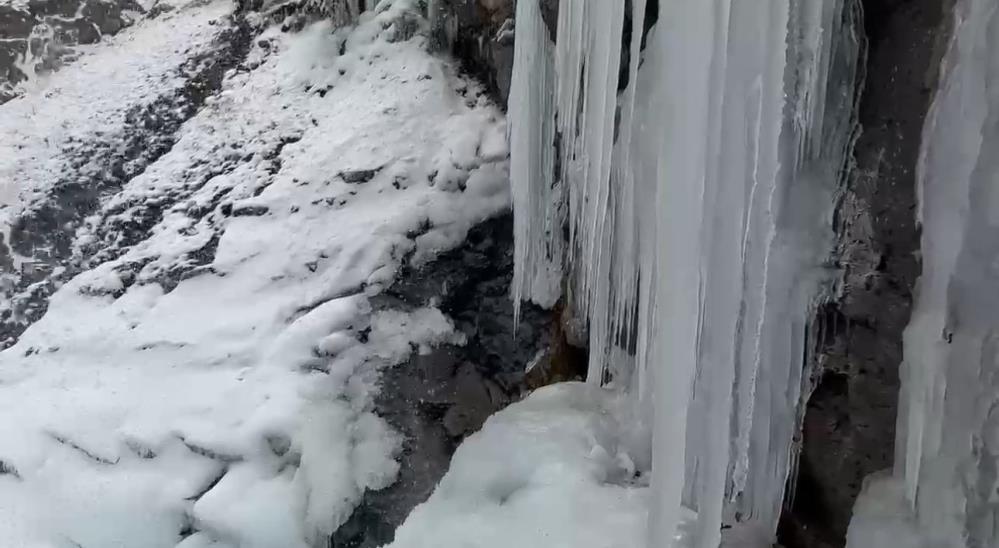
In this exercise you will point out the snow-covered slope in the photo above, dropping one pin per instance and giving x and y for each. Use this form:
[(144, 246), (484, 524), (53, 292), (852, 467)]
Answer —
[(206, 379)]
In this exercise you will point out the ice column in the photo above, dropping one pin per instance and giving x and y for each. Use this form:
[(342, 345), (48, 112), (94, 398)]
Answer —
[(698, 204)]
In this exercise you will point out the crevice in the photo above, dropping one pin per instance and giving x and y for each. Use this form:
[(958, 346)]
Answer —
[(849, 421), (62, 440)]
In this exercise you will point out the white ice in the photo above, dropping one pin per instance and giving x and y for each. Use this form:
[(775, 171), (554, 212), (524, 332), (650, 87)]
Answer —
[(698, 204)]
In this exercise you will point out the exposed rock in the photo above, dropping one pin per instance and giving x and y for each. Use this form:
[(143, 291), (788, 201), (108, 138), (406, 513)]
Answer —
[(359, 176), (849, 426), (106, 15), (44, 232), (42, 35), (437, 399), (15, 23), (62, 8), (480, 34)]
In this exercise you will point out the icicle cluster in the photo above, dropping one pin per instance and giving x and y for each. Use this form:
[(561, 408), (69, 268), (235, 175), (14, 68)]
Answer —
[(698, 205), (947, 447)]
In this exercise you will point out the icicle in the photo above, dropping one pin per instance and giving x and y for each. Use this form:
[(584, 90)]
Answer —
[(684, 45), (538, 245), (588, 58), (696, 225)]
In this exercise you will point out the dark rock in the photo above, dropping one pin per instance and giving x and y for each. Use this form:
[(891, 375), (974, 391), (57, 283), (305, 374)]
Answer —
[(479, 33), (62, 8), (437, 399), (74, 31), (159, 9), (15, 23), (10, 53), (106, 15), (358, 176), (849, 425), (249, 210)]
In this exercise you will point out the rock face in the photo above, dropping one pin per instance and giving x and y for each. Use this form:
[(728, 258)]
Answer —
[(849, 425), (38, 36), (436, 400), (480, 33)]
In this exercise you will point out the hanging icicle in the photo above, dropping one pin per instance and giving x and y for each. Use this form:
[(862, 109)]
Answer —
[(698, 204)]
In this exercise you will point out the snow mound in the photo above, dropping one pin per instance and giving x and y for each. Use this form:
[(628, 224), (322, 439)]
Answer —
[(546, 472), (554, 470)]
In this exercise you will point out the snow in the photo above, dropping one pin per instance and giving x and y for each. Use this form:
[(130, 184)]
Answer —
[(549, 471), (699, 209), (553, 470), (169, 397), (943, 486), (88, 98)]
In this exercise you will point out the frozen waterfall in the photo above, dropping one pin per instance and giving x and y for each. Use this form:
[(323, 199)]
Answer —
[(688, 217)]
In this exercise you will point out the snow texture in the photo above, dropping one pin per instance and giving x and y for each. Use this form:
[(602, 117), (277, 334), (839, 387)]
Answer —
[(943, 489), (553, 470), (210, 383), (699, 205)]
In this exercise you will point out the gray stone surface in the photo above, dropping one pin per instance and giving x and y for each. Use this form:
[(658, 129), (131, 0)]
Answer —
[(480, 34), (438, 399)]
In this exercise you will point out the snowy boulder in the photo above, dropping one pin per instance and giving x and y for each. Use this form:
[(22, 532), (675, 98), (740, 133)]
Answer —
[(549, 471)]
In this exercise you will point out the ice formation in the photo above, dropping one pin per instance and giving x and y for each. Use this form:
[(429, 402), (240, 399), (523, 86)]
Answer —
[(690, 214), (943, 490)]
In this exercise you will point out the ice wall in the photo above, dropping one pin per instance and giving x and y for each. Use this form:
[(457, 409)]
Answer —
[(944, 488), (697, 206)]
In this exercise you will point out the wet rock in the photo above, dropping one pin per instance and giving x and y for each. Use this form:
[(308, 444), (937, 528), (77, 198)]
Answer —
[(10, 52), (61, 8), (15, 23), (249, 210), (358, 176), (104, 14), (437, 399), (480, 34), (75, 31)]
